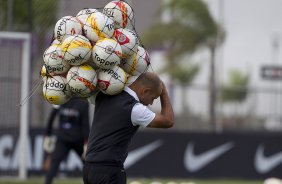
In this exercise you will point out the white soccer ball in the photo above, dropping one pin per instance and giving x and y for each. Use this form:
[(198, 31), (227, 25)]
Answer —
[(76, 49), (127, 40), (134, 33), (67, 26), (106, 53), (54, 60), (130, 79), (82, 80), (82, 15), (43, 73), (98, 26), (272, 181), (135, 182), (56, 42), (138, 63), (111, 81), (55, 90), (121, 13)]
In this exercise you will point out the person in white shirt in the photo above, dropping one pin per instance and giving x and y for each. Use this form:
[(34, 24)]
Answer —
[(116, 120)]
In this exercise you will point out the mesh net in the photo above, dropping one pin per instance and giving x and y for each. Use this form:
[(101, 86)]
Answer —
[(109, 36)]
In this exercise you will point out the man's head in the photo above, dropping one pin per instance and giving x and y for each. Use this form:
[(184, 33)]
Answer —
[(148, 87)]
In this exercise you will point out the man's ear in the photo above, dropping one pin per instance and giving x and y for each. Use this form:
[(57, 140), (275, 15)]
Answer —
[(139, 91), (145, 90)]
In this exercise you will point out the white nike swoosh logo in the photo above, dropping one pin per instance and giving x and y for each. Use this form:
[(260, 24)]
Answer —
[(194, 162), (265, 164), (137, 154)]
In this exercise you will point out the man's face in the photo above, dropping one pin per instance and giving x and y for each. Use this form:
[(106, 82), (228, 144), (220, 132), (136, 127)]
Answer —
[(148, 95)]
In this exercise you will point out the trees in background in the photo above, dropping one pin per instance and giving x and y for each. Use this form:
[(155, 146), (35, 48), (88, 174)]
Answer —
[(189, 27), (233, 94), (28, 15), (37, 17), (184, 74), (237, 88)]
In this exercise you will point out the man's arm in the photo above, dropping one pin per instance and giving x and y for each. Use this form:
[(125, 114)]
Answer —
[(164, 119)]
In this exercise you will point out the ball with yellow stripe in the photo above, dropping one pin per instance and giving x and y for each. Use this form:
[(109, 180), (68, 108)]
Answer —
[(76, 49), (98, 26)]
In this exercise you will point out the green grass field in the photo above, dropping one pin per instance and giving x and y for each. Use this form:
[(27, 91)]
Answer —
[(133, 181)]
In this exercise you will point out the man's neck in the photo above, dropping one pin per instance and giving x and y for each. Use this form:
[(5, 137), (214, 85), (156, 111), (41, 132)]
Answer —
[(135, 89)]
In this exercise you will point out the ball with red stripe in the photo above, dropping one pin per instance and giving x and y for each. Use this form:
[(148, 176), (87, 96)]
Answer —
[(54, 60), (82, 80), (127, 40), (121, 13), (138, 63), (111, 81), (67, 26)]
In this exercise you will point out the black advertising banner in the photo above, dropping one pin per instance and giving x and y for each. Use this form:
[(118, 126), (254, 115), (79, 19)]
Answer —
[(207, 155), (169, 154)]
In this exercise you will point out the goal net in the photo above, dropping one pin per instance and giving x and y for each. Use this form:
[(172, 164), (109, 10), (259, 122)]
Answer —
[(14, 84)]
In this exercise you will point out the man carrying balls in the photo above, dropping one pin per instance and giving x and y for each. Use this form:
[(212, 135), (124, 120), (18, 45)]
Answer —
[(116, 120)]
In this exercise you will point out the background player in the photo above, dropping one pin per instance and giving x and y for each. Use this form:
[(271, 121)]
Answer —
[(72, 133)]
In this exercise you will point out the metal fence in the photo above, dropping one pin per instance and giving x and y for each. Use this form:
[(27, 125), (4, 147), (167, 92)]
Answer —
[(260, 111)]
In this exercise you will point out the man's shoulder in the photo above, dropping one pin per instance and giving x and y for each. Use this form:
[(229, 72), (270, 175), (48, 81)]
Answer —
[(123, 96), (119, 95), (126, 96)]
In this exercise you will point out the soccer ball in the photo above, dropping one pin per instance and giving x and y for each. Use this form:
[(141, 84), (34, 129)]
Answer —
[(82, 80), (98, 26), (106, 53), (121, 13), (130, 79), (138, 42), (56, 42), (56, 91), (67, 26), (138, 63), (82, 15), (127, 40), (111, 81), (43, 73), (76, 49), (54, 61), (272, 181)]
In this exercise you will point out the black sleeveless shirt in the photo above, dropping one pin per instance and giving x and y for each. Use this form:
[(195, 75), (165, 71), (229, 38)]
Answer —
[(112, 129)]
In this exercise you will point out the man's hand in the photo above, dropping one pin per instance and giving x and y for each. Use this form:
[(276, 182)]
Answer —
[(49, 144), (164, 119)]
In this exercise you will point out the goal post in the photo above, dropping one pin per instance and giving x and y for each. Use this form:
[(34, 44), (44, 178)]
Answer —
[(25, 88)]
